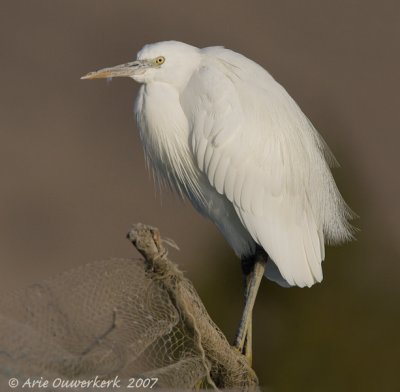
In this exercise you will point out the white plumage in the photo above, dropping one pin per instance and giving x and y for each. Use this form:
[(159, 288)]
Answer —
[(218, 129)]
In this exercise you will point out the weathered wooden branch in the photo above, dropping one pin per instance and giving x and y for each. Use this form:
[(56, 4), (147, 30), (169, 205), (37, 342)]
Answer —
[(227, 368)]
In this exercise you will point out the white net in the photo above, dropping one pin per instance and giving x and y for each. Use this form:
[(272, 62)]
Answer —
[(123, 320)]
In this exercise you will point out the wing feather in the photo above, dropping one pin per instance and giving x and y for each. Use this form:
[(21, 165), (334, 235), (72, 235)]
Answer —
[(258, 149), (221, 173)]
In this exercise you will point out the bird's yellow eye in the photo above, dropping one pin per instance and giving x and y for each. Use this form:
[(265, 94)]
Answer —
[(160, 60)]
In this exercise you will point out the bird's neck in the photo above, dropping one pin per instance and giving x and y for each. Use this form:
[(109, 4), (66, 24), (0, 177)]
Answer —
[(164, 132)]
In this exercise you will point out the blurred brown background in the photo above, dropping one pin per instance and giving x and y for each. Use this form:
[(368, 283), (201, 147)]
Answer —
[(73, 177)]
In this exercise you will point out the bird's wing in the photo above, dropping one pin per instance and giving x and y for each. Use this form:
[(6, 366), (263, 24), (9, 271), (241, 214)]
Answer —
[(249, 139)]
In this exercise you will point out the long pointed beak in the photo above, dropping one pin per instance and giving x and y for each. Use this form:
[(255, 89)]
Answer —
[(128, 69)]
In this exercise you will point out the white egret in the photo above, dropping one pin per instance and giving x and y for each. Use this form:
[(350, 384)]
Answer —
[(219, 130)]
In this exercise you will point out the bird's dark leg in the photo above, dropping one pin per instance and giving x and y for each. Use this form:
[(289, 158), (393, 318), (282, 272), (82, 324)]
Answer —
[(253, 270), (246, 347)]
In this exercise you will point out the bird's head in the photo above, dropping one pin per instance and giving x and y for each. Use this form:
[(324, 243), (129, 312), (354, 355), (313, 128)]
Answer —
[(169, 62)]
